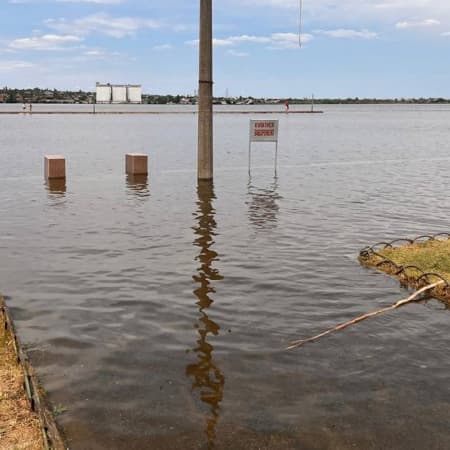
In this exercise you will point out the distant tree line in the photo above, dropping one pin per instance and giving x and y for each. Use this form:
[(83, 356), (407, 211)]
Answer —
[(362, 101), (38, 95)]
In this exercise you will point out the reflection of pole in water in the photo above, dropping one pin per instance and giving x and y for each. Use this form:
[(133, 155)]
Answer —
[(206, 375), (262, 204)]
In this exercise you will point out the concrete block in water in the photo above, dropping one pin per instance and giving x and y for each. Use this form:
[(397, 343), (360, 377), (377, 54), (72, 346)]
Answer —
[(136, 164), (54, 167)]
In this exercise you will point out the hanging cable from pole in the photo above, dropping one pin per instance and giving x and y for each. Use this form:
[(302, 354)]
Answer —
[(300, 22)]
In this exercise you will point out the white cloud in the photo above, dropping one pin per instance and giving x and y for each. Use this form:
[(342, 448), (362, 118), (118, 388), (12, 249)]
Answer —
[(274, 41), (236, 53), (100, 2), (162, 47), (216, 42), (251, 39), (418, 24), (102, 23), (182, 27), (94, 53), (7, 66), (45, 42), (345, 33), (288, 40), (221, 42), (362, 12)]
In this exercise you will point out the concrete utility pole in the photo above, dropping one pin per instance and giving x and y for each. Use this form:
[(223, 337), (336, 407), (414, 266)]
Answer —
[(205, 92)]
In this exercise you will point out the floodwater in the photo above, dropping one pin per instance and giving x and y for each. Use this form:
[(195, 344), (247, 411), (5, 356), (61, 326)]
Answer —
[(157, 311)]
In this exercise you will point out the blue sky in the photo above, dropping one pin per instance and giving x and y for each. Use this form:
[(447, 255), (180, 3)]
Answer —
[(364, 48)]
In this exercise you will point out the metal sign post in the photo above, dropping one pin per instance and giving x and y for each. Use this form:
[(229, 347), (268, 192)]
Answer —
[(263, 131)]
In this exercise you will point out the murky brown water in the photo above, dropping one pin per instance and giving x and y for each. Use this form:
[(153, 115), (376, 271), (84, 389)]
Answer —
[(157, 310)]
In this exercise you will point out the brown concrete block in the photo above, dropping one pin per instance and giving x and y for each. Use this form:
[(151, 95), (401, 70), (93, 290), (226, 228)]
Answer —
[(54, 166), (136, 164)]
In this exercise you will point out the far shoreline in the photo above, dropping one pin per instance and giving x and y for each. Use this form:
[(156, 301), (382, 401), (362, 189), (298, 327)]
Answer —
[(153, 112)]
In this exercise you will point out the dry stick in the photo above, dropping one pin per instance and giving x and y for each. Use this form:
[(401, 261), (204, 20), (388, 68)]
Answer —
[(295, 344)]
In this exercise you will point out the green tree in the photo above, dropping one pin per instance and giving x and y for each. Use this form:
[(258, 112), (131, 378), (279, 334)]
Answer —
[(11, 98)]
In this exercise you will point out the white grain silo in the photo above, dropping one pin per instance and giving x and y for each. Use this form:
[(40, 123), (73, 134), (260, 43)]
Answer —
[(103, 93), (134, 93), (119, 93)]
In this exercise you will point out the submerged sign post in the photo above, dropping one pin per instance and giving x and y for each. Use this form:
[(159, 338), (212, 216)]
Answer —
[(263, 131)]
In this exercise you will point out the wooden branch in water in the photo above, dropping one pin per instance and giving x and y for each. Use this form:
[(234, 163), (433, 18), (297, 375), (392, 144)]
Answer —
[(411, 298)]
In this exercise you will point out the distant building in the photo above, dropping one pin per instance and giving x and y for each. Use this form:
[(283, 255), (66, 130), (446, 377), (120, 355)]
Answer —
[(3, 98), (118, 93)]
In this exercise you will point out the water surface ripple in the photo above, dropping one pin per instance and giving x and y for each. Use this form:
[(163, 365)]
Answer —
[(157, 310)]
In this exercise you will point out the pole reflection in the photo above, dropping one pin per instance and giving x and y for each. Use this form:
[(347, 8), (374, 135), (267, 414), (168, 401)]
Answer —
[(207, 377), (263, 204)]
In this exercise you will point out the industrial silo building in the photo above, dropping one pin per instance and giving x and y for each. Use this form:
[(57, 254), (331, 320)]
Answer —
[(134, 93), (118, 93), (103, 93)]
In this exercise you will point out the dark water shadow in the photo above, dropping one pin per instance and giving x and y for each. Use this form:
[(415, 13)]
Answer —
[(207, 378), (138, 185), (56, 188), (262, 204)]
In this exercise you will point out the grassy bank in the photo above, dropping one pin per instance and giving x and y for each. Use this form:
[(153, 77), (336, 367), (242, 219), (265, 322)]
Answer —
[(411, 261), (431, 256), (19, 426)]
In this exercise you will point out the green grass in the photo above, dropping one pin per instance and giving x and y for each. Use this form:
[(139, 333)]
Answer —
[(431, 256)]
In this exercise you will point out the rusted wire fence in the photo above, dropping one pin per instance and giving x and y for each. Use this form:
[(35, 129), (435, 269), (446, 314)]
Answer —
[(410, 275)]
